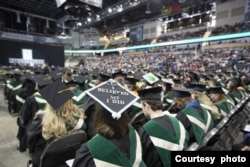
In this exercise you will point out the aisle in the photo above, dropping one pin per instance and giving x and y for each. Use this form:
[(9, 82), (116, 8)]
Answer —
[(9, 156)]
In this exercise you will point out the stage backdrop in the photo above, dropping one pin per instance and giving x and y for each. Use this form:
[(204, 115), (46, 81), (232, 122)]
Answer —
[(53, 55)]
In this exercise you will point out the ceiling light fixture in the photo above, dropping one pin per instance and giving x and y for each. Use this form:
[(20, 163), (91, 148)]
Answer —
[(148, 11)]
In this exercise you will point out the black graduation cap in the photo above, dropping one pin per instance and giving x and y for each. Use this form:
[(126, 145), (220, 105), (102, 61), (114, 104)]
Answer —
[(68, 72), (56, 94), (196, 87), (103, 77), (236, 81), (167, 83), (215, 90), (181, 92), (203, 76), (84, 71), (79, 79), (17, 72), (177, 81), (150, 78), (150, 93), (118, 73), (43, 80), (113, 97), (130, 81), (57, 74), (30, 76)]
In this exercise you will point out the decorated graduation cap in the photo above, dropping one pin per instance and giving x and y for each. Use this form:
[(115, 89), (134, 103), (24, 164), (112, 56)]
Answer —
[(57, 74), (150, 78), (56, 94), (130, 81), (181, 92), (113, 97), (150, 93), (215, 90)]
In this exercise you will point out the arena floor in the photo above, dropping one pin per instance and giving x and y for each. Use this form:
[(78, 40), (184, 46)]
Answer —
[(9, 156)]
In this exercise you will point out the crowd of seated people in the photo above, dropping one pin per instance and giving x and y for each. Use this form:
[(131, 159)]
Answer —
[(230, 29), (195, 87)]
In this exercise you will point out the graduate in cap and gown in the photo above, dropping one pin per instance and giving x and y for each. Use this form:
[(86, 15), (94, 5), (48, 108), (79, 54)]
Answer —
[(166, 132), (58, 119), (196, 120), (116, 143), (217, 95), (89, 106)]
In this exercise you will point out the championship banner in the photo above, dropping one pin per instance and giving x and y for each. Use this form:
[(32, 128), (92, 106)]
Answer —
[(175, 8), (170, 9)]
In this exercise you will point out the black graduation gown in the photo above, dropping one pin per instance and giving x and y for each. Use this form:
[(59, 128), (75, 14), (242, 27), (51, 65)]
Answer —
[(89, 111), (36, 142), (149, 156), (27, 113)]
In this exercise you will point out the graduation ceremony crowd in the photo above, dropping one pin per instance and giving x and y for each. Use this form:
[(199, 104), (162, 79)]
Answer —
[(177, 108)]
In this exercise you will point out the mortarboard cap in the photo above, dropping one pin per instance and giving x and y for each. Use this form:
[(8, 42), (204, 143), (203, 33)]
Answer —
[(130, 81), (181, 92), (57, 74), (168, 83), (215, 90), (103, 77), (196, 87), (17, 72), (30, 76), (84, 71), (118, 73), (177, 81), (113, 97), (79, 79), (43, 80), (150, 93), (56, 94), (150, 78)]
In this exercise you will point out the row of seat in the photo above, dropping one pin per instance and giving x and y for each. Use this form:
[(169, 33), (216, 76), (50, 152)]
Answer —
[(223, 135)]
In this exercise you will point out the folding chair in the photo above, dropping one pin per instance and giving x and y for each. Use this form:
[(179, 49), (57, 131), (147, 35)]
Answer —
[(60, 150)]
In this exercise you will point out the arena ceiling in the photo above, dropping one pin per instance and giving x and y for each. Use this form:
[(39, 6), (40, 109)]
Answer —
[(73, 12)]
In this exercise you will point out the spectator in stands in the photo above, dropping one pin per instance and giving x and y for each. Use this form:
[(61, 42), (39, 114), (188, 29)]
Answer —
[(245, 144), (57, 120), (169, 128)]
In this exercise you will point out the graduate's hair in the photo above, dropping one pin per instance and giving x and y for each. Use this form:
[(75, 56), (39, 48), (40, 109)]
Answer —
[(55, 122), (108, 127), (154, 104)]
